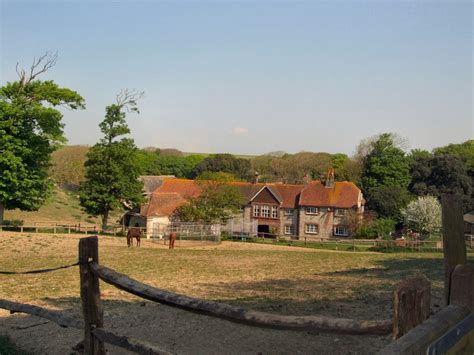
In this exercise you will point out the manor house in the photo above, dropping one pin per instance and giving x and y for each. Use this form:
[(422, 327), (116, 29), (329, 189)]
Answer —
[(311, 210)]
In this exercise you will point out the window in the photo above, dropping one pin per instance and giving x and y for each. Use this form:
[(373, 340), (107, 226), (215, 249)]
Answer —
[(341, 230), (339, 212), (289, 229), (241, 209), (274, 212), (256, 210), (312, 229), (312, 210), (289, 212), (265, 211)]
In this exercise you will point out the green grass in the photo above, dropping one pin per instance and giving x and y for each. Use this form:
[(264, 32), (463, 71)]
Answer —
[(8, 348), (62, 207)]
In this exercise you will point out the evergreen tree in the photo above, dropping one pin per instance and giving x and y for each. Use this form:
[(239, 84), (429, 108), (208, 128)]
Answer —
[(112, 167), (30, 130)]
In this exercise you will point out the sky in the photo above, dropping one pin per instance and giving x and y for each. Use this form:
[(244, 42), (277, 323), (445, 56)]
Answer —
[(251, 77)]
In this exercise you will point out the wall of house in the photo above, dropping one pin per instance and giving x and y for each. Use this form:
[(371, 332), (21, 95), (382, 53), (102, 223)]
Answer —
[(150, 224), (285, 220)]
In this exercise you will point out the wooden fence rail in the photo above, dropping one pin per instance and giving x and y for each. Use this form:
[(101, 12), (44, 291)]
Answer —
[(240, 315)]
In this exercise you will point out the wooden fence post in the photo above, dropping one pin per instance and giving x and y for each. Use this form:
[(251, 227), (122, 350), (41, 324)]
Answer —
[(454, 245), (90, 295), (411, 304), (462, 286)]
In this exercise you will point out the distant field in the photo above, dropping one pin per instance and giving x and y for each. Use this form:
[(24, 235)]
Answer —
[(61, 207)]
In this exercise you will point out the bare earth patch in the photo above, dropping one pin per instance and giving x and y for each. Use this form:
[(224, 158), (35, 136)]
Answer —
[(277, 279)]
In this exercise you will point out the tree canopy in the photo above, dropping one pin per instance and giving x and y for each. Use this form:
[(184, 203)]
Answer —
[(423, 216), (31, 129), (112, 169)]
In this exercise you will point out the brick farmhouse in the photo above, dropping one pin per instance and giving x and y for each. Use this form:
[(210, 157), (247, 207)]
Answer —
[(311, 210)]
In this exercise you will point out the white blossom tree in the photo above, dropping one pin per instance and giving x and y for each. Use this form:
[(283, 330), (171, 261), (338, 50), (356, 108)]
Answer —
[(423, 216)]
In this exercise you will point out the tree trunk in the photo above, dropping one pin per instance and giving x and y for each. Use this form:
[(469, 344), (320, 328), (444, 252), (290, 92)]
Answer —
[(105, 217), (2, 210)]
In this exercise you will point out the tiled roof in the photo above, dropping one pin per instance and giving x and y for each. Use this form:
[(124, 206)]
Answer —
[(152, 182), (174, 192), (343, 195), (163, 204)]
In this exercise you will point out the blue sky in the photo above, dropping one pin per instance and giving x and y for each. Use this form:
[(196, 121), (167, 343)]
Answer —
[(252, 77)]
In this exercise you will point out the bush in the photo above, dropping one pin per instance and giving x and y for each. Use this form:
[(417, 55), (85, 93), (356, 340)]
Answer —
[(366, 231)]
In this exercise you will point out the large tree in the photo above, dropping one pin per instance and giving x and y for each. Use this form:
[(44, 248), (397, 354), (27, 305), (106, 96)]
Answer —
[(112, 169), (30, 130), (441, 174), (227, 163), (385, 165)]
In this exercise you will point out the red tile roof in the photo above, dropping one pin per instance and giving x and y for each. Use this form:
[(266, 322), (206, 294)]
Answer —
[(343, 195), (174, 192)]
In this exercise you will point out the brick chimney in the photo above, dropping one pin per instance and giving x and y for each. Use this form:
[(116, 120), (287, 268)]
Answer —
[(330, 178), (256, 177)]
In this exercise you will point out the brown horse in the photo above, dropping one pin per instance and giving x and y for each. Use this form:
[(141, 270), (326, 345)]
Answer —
[(134, 232)]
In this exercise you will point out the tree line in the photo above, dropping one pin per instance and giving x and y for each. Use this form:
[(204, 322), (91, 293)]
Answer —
[(106, 174)]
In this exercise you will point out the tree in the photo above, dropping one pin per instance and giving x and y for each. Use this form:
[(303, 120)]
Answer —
[(387, 200), (441, 174), (30, 130), (218, 202), (112, 170), (385, 165), (227, 163), (423, 216)]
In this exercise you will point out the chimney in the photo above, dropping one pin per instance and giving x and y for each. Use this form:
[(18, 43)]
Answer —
[(255, 180), (330, 178), (307, 179)]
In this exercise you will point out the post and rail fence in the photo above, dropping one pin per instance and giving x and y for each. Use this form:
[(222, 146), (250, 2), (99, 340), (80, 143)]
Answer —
[(411, 325)]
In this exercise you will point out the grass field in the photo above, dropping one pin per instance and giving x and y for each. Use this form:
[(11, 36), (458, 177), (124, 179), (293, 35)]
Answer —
[(293, 280), (271, 278), (62, 207)]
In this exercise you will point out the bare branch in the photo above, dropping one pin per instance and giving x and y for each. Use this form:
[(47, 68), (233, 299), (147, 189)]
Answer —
[(128, 99), (39, 66)]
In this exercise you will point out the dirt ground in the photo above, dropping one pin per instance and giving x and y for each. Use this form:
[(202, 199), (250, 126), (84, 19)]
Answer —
[(276, 279)]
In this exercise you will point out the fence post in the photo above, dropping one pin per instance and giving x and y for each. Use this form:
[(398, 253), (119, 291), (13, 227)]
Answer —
[(411, 304), (454, 245), (462, 286), (90, 295)]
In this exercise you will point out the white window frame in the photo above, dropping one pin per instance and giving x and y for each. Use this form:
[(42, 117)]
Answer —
[(341, 234), (256, 211), (289, 211), (339, 212), (311, 210), (274, 212), (289, 229), (309, 230), (265, 211)]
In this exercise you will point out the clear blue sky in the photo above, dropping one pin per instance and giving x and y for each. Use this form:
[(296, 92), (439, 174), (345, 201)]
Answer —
[(251, 77)]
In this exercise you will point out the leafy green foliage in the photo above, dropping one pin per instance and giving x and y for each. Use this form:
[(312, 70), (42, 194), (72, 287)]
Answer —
[(387, 200), (157, 162), (67, 166), (217, 203), (30, 130), (385, 165), (442, 174), (226, 163), (112, 170)]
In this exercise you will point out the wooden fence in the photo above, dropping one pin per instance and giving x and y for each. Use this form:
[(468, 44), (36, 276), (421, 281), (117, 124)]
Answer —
[(61, 228)]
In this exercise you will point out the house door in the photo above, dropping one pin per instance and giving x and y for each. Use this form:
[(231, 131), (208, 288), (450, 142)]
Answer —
[(263, 230)]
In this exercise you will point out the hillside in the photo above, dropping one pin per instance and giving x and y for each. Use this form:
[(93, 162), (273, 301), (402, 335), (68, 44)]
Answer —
[(62, 207)]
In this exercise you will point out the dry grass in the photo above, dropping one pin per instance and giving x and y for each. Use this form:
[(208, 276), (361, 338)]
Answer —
[(289, 280)]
